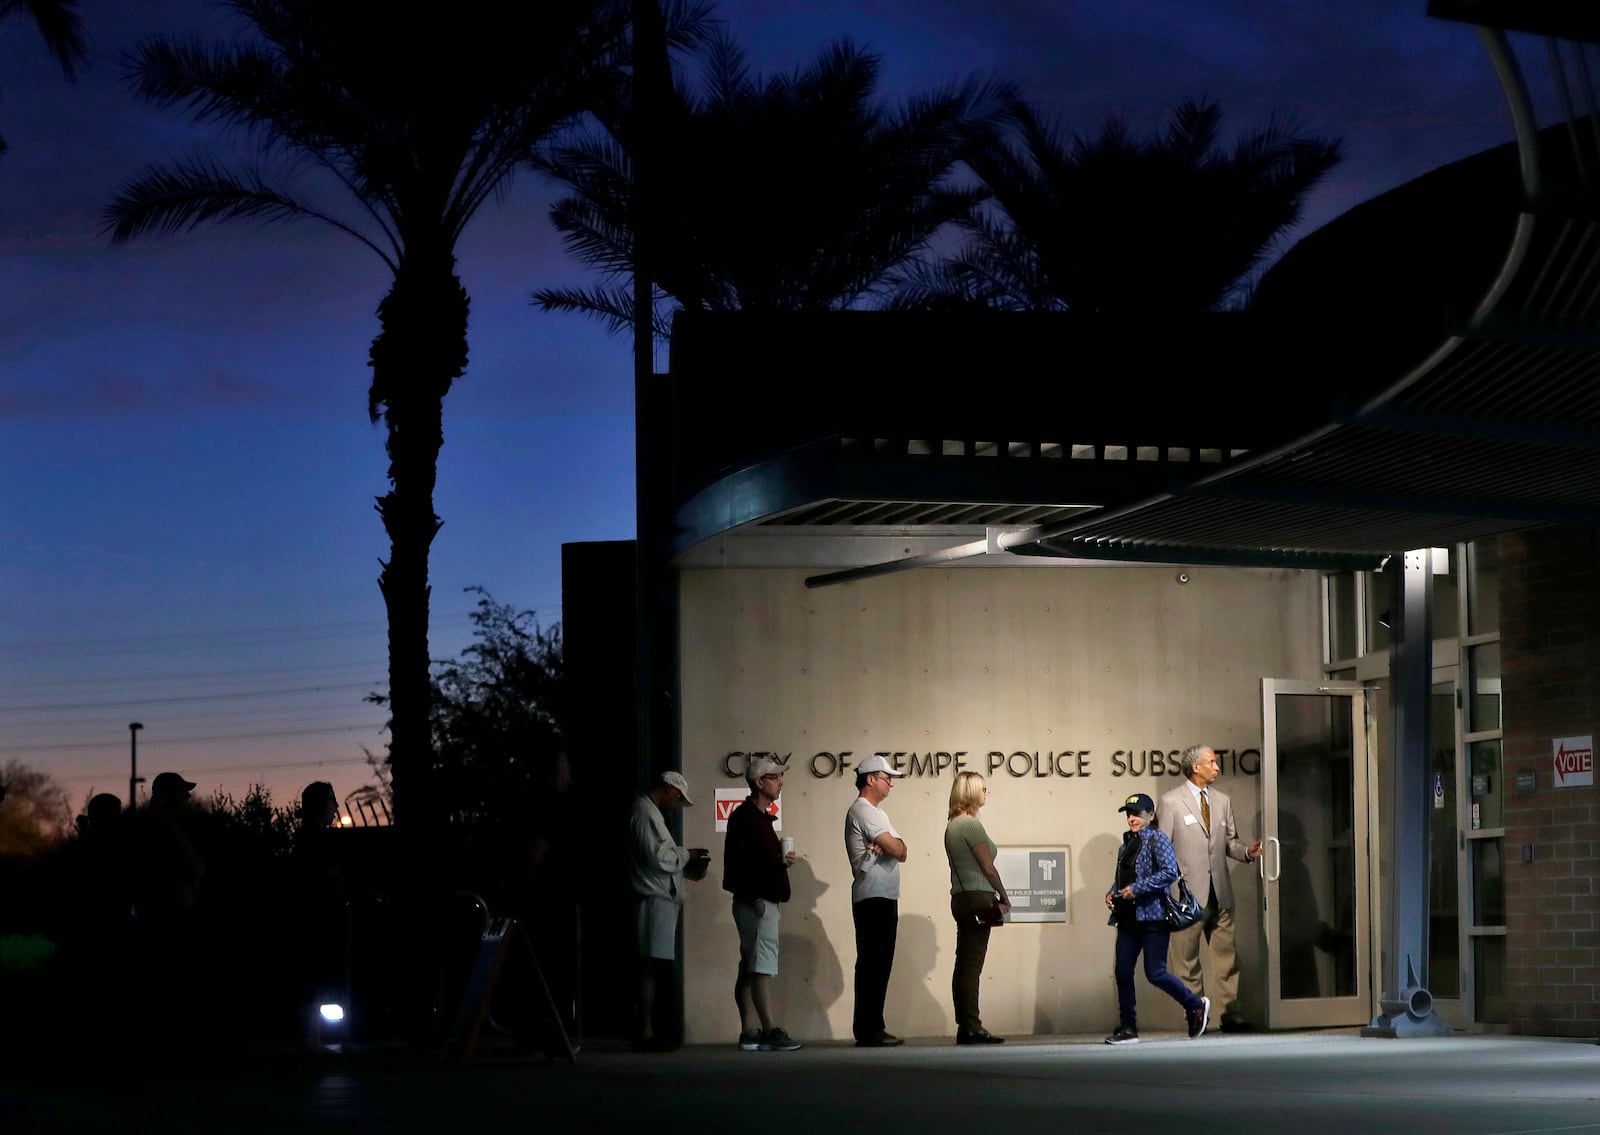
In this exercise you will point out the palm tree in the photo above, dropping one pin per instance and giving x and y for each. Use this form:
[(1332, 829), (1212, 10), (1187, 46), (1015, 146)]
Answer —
[(1171, 223), (788, 193), (395, 131), (60, 25)]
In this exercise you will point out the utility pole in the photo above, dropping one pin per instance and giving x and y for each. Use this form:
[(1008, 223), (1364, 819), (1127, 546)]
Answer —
[(134, 779)]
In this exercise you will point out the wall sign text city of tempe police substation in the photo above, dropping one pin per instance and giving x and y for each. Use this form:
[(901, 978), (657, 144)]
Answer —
[(1019, 763)]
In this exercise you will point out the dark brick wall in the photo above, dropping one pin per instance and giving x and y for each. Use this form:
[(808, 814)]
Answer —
[(1550, 659)]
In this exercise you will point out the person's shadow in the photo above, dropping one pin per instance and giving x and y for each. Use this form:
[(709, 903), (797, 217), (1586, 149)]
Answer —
[(1056, 1010), (809, 979), (915, 1006)]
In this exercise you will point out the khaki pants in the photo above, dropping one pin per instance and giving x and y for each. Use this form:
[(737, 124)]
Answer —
[(1183, 957)]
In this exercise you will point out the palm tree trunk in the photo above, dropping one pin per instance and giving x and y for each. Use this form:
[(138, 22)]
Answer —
[(420, 351)]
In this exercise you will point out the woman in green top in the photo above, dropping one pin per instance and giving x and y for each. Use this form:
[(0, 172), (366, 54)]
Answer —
[(974, 885)]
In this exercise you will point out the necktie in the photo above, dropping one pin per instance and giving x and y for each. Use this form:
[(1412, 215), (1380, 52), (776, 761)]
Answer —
[(1205, 811)]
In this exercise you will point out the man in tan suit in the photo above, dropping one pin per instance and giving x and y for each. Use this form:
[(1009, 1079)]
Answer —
[(1199, 822)]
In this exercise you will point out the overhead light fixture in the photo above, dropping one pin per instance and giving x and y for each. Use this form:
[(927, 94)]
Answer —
[(1386, 620)]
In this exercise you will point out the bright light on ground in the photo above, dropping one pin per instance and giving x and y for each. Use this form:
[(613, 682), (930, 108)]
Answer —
[(333, 1012)]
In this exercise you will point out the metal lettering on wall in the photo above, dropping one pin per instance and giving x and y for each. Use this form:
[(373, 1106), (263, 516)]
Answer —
[(1019, 764)]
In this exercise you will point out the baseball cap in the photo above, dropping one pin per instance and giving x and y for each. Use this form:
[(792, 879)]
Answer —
[(170, 782), (764, 766), (875, 763), (675, 780), (1138, 802)]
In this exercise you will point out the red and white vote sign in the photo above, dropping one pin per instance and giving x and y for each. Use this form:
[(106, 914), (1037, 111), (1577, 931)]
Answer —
[(1574, 760), (730, 798)]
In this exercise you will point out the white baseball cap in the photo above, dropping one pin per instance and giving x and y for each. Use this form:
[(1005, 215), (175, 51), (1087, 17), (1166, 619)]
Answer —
[(875, 763), (675, 780)]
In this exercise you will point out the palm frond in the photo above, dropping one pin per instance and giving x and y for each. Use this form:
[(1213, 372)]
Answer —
[(612, 305), (60, 26), (183, 196)]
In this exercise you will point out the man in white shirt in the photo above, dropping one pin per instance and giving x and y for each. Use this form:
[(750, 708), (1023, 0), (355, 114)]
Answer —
[(876, 852), (655, 875), (1199, 821)]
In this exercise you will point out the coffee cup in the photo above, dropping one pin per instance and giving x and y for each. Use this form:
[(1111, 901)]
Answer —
[(788, 845), (699, 862)]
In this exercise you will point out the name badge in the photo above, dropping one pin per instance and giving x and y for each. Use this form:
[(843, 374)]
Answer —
[(1190, 820)]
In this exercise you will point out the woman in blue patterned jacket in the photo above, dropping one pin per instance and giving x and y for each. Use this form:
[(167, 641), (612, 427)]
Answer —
[(1146, 867)]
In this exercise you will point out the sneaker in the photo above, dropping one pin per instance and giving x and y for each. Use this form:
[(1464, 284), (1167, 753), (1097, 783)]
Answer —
[(1198, 1017), (1123, 1036), (776, 1040), (751, 1042), (882, 1040)]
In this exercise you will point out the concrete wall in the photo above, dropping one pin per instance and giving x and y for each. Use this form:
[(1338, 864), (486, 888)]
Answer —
[(1121, 666)]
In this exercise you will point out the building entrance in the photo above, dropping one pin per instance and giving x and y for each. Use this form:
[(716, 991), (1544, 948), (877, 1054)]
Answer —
[(1316, 889)]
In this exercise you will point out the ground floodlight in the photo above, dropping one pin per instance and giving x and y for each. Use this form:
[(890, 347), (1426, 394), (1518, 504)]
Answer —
[(332, 1013)]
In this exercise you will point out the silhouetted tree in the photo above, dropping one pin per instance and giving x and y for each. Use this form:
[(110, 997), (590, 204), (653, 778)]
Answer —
[(35, 815), (412, 123), (786, 193), (497, 715), (254, 821), (60, 26), (1170, 223)]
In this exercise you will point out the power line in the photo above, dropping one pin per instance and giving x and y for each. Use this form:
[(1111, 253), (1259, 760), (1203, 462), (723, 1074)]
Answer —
[(233, 768), (374, 665), (178, 700), (156, 743)]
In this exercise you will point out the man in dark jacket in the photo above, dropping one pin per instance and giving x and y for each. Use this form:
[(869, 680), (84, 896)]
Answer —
[(756, 871)]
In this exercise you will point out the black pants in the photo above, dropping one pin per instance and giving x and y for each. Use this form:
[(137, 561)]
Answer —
[(972, 947), (877, 925)]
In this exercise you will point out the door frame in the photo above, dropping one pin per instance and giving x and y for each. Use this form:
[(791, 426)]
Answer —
[(1321, 1012)]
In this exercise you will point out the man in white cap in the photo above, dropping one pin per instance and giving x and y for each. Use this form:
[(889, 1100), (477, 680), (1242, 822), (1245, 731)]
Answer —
[(875, 851), (756, 873), (655, 872)]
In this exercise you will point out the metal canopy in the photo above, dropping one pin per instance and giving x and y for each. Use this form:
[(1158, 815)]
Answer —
[(1422, 371)]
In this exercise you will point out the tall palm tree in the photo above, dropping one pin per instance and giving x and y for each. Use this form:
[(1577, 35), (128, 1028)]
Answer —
[(394, 131), (785, 193), (1170, 223), (60, 25)]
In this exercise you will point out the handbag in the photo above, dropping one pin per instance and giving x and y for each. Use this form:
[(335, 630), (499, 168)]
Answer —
[(985, 910), (1183, 911)]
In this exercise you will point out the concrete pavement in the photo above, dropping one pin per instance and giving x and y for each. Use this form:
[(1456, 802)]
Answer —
[(1323, 1083)]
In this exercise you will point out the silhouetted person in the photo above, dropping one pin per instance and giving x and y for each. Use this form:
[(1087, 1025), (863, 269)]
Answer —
[(96, 915), (103, 894), (319, 806), (169, 868), (545, 906), (166, 891), (316, 959)]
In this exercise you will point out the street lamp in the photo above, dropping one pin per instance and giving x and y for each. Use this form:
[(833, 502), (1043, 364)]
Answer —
[(134, 779)]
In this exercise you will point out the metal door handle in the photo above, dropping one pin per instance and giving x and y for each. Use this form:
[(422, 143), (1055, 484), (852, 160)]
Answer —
[(1277, 859)]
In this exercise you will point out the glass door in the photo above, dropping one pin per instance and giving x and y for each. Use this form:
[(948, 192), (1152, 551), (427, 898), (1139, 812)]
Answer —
[(1315, 892)]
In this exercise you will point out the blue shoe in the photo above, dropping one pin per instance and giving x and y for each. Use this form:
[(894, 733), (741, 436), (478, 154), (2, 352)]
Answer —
[(776, 1040)]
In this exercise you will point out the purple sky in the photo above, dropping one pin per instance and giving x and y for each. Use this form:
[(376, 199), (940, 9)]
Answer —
[(186, 468)]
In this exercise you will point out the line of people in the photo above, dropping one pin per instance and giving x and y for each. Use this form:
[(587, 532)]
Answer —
[(1192, 833)]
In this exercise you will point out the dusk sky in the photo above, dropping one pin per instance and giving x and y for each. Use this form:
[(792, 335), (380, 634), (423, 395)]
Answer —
[(187, 471)]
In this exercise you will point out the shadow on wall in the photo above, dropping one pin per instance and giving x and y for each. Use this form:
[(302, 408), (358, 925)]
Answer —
[(919, 988), (1054, 1011), (810, 980)]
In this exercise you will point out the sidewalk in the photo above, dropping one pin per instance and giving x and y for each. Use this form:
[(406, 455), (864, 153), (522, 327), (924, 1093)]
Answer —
[(1325, 1083)]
